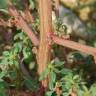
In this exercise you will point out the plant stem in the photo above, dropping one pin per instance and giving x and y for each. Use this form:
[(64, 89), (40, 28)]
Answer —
[(22, 24), (74, 45), (45, 12)]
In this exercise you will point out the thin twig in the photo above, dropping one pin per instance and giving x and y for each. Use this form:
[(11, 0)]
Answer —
[(22, 24), (74, 45)]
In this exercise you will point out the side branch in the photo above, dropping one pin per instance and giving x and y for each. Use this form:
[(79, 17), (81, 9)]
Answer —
[(22, 24), (74, 45)]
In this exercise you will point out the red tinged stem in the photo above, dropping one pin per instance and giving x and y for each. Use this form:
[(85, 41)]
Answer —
[(23, 25), (74, 45)]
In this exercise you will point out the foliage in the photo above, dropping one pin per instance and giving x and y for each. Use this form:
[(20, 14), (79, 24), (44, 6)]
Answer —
[(12, 60), (60, 28), (67, 80)]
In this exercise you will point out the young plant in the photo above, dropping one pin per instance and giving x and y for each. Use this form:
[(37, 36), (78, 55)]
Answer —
[(14, 61), (65, 82)]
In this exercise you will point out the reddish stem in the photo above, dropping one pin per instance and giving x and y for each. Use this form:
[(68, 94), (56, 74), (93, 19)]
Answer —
[(23, 25), (74, 45)]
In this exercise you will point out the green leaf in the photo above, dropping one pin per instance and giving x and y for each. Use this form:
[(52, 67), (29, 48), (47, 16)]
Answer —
[(19, 35), (76, 77), (49, 93), (32, 4), (18, 47), (65, 94), (16, 64), (4, 61), (3, 4), (58, 63), (56, 70), (31, 65), (12, 74), (11, 62), (65, 71), (44, 74), (85, 88), (6, 53), (51, 84), (2, 74), (53, 76), (80, 92), (26, 52), (93, 90), (4, 11)]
